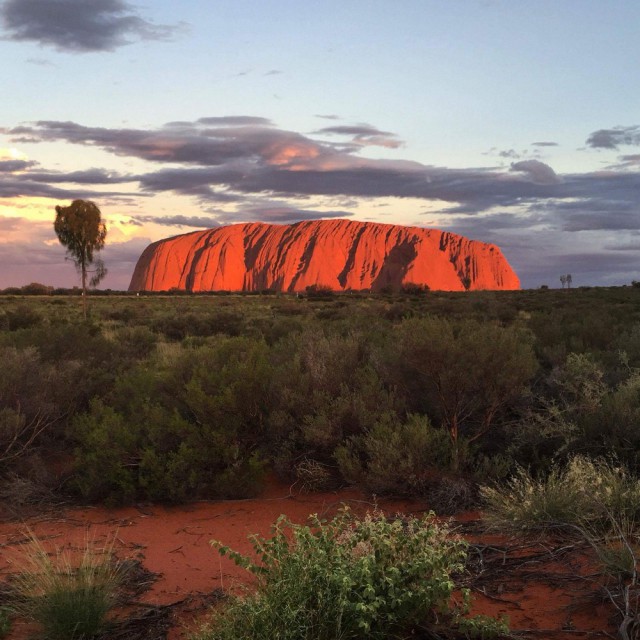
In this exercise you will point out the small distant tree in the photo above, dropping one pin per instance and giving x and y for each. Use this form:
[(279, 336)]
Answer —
[(80, 229), (569, 280), (563, 280)]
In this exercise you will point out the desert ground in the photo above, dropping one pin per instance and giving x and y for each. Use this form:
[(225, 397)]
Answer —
[(546, 590)]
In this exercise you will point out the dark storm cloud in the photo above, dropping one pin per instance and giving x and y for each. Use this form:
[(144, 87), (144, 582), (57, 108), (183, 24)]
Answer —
[(200, 222), (78, 25), (613, 138)]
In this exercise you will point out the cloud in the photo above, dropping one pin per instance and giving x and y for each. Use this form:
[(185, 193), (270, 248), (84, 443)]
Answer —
[(597, 214), (632, 160), (79, 26), (364, 135), (22, 178), (234, 121), (509, 153), (192, 144), (539, 172), (200, 222), (11, 166), (544, 144), (281, 215), (225, 159), (613, 138), (627, 246), (87, 176)]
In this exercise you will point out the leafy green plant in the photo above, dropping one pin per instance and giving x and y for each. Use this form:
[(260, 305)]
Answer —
[(68, 594), (348, 578)]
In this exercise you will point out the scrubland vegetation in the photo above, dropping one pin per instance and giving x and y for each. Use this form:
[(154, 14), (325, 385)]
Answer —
[(527, 403), (185, 397)]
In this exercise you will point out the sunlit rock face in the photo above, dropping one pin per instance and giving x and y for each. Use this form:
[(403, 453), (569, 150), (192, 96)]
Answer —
[(337, 254)]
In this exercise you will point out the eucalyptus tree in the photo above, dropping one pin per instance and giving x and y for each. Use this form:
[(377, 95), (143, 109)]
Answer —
[(80, 229)]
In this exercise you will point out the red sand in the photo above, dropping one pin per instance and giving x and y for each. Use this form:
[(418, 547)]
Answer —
[(174, 542)]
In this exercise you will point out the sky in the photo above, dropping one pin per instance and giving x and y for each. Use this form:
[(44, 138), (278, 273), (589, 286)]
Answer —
[(514, 122)]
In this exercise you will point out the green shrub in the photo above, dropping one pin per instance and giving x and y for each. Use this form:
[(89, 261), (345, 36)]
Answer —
[(69, 596), (395, 457), (325, 391), (137, 342), (185, 430), (466, 375), (586, 494), (22, 317), (34, 395), (5, 622), (350, 578)]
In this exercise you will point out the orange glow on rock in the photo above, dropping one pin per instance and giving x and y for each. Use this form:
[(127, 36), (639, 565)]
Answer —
[(337, 254)]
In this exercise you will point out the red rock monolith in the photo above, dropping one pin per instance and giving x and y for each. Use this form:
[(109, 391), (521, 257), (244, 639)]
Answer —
[(336, 254)]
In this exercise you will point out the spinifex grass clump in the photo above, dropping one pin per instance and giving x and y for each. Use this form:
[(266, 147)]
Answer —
[(585, 494), (68, 593), (350, 578)]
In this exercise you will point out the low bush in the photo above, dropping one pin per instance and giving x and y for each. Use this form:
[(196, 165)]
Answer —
[(187, 429), (585, 494), (22, 317), (395, 457), (5, 622), (70, 597), (351, 578)]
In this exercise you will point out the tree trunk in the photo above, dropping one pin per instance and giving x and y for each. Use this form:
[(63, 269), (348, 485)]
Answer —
[(84, 290), (455, 451)]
